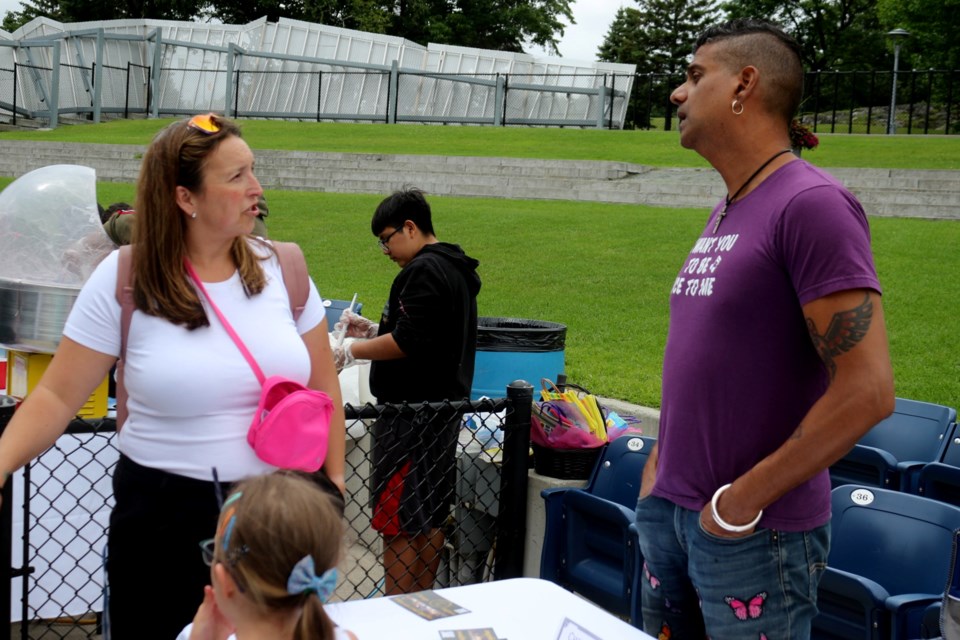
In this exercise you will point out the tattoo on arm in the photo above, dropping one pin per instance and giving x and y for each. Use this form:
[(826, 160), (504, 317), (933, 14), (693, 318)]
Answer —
[(846, 330)]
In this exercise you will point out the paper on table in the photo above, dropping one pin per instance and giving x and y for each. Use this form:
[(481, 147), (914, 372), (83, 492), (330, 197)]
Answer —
[(429, 605), (570, 630), (470, 634)]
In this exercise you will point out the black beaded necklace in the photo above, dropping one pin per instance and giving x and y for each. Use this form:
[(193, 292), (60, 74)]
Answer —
[(729, 199)]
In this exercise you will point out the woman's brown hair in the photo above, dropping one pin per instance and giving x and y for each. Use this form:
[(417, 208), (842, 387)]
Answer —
[(161, 287), (279, 519)]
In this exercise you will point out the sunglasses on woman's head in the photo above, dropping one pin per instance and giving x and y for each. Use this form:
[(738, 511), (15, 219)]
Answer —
[(204, 123)]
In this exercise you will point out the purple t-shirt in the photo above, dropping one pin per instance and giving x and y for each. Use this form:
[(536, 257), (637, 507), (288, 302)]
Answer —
[(740, 370)]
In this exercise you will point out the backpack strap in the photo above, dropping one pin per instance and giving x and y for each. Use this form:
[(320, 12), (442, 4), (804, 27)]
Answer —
[(125, 298), (295, 276)]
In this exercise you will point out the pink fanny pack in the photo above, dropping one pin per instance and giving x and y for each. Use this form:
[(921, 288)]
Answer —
[(291, 425)]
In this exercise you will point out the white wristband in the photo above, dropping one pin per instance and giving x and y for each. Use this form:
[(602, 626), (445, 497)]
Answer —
[(726, 526)]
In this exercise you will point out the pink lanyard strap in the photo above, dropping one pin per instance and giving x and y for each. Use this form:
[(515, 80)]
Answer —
[(226, 325)]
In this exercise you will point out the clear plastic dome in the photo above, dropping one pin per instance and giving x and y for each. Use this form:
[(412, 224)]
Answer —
[(51, 239), (50, 229)]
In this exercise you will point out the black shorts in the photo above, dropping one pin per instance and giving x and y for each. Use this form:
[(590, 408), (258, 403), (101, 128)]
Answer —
[(414, 472), (154, 568)]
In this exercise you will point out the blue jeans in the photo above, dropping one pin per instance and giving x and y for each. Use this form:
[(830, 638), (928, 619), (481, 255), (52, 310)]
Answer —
[(762, 586)]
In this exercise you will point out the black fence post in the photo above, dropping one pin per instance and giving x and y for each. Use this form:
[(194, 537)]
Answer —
[(506, 89), (7, 406), (14, 94), (126, 95), (946, 124), (149, 90), (913, 96), (236, 96), (512, 516)]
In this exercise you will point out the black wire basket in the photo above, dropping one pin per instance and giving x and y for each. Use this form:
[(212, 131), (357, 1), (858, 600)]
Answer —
[(566, 464)]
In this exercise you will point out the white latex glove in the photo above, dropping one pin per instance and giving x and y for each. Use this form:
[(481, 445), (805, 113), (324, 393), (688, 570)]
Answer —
[(355, 326), (343, 356)]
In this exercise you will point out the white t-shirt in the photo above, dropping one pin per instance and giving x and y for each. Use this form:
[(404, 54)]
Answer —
[(192, 395)]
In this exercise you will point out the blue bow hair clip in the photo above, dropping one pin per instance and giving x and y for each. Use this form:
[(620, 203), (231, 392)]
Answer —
[(303, 579)]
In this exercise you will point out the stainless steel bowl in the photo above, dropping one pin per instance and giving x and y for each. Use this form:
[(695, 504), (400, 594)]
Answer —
[(32, 315)]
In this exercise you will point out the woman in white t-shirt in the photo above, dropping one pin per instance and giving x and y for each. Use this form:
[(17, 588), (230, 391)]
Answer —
[(272, 564), (191, 394)]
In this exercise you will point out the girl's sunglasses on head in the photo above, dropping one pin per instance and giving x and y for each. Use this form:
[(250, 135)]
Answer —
[(204, 123)]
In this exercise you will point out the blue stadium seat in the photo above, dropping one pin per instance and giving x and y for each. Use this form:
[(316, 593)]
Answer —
[(941, 480), (588, 546), (894, 451), (949, 620), (889, 558)]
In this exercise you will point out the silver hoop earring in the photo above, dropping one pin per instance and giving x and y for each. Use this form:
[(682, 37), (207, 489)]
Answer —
[(193, 215), (733, 107)]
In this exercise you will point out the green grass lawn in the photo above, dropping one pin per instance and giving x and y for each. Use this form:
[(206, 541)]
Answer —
[(603, 270), (659, 148)]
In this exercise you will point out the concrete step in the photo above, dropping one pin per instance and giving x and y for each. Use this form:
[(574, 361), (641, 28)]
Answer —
[(884, 192)]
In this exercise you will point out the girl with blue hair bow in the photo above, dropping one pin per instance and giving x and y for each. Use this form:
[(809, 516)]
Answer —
[(272, 564)]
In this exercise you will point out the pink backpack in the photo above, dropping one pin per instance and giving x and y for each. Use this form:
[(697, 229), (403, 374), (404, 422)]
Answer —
[(295, 279)]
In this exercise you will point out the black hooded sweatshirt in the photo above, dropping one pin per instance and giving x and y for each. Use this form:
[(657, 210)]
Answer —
[(432, 314)]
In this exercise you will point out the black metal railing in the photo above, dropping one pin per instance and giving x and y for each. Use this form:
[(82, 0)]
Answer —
[(925, 102), (855, 102)]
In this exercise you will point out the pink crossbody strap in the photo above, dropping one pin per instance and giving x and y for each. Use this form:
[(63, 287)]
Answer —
[(226, 325)]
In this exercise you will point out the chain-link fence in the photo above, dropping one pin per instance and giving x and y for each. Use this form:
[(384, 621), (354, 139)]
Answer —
[(869, 102), (25, 90), (318, 94), (55, 520), (202, 89), (28, 90), (125, 90), (438, 97)]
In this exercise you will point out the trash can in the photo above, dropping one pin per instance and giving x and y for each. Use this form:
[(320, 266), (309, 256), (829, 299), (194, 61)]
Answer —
[(511, 349)]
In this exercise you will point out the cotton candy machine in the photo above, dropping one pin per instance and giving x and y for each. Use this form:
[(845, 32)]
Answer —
[(51, 239)]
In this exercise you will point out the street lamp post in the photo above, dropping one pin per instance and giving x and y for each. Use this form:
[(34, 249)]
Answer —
[(897, 35)]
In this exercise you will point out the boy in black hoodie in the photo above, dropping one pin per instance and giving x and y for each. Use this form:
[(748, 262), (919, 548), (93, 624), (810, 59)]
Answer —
[(422, 351)]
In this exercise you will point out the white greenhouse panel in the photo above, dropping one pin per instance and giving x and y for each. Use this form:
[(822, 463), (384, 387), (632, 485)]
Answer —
[(297, 69)]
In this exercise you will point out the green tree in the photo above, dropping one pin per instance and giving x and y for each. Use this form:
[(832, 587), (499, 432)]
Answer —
[(623, 40), (91, 10), (30, 9), (658, 35), (362, 15), (243, 11), (504, 25), (933, 27), (833, 34)]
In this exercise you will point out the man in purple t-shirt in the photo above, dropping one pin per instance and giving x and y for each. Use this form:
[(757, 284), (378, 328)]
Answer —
[(776, 360)]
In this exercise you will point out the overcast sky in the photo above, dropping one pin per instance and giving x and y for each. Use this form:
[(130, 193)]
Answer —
[(580, 42)]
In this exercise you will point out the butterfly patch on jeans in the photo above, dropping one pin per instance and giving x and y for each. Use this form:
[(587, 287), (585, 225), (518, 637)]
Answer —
[(652, 579), (753, 608)]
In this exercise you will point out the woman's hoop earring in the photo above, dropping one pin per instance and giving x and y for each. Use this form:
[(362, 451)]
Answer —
[(733, 107)]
